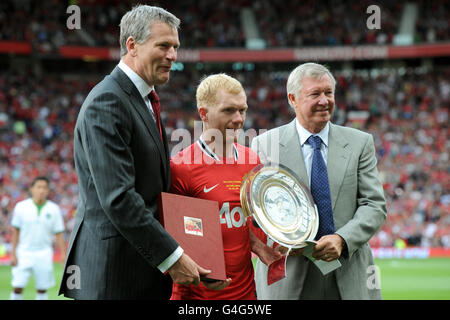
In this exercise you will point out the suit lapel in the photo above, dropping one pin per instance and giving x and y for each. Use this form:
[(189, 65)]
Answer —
[(337, 162), (291, 154), (139, 105), (167, 153)]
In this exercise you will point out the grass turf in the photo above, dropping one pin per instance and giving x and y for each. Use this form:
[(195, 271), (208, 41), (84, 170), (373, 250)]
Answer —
[(401, 279), (30, 291), (412, 279)]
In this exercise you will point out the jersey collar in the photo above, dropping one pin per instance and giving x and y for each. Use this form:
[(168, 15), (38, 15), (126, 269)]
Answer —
[(207, 150)]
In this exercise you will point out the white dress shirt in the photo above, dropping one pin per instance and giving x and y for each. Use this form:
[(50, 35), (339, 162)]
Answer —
[(144, 89), (307, 149), (142, 86)]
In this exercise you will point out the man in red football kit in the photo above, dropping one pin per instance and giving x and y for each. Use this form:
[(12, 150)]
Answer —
[(212, 168)]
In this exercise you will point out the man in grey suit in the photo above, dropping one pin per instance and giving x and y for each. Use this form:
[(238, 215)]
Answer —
[(118, 249), (355, 194)]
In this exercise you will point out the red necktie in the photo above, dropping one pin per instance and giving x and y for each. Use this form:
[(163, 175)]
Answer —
[(154, 100)]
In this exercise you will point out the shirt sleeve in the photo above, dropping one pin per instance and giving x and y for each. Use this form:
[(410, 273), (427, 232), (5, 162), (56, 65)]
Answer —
[(58, 223), (170, 261), (178, 184), (16, 221)]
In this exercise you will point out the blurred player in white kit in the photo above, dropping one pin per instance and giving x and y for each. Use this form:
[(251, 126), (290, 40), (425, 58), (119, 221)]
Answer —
[(35, 221)]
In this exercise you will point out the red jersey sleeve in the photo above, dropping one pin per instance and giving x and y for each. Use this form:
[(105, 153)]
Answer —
[(178, 180)]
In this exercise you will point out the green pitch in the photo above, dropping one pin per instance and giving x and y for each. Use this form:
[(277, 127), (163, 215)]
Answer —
[(402, 279), (409, 279), (30, 291), (415, 279)]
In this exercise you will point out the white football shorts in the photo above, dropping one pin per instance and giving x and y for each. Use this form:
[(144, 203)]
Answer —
[(40, 263)]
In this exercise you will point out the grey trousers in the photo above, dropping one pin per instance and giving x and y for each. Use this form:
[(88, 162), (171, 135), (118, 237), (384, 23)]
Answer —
[(318, 286)]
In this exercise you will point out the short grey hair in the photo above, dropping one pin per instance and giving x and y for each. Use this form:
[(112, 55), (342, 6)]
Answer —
[(306, 70), (137, 22)]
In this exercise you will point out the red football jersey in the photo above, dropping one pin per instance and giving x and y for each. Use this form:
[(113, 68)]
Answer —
[(198, 172)]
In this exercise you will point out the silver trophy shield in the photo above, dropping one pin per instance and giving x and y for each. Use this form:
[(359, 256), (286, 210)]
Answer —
[(281, 205)]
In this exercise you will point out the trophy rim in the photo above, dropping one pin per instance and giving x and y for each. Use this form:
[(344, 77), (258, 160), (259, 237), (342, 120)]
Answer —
[(293, 236)]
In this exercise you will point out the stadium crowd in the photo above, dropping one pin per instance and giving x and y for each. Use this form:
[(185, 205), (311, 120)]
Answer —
[(406, 110), (218, 24), (337, 23)]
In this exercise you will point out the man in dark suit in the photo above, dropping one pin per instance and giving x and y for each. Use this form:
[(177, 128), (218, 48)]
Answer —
[(118, 249)]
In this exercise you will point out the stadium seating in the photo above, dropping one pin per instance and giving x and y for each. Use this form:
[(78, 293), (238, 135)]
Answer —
[(408, 116), (405, 108), (210, 24)]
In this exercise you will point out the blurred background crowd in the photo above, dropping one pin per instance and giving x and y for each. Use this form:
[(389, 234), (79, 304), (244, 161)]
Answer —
[(207, 23), (404, 106)]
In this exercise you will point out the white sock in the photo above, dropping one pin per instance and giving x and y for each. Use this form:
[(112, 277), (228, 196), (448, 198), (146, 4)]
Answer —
[(16, 296), (41, 296)]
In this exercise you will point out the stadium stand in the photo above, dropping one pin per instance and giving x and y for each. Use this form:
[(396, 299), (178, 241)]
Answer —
[(407, 114), (404, 104), (323, 23), (210, 24)]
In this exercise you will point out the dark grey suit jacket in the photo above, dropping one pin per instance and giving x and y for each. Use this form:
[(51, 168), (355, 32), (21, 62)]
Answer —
[(122, 166)]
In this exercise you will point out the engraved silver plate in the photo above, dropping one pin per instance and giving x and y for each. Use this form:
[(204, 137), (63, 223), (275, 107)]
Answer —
[(281, 205)]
